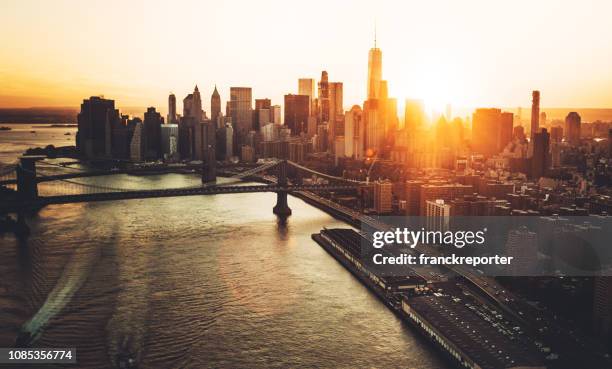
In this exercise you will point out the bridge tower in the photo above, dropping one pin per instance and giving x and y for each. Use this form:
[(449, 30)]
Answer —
[(209, 167), (282, 208), (27, 186)]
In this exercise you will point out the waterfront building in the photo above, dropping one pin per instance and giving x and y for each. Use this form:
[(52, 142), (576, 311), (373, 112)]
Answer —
[(137, 144), (169, 141), (247, 154), (171, 119), (152, 133), (602, 306), (438, 215), (93, 136), (383, 197)]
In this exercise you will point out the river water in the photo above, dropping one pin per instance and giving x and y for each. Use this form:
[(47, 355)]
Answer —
[(193, 282)]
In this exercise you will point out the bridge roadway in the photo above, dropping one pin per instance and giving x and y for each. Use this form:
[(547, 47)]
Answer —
[(188, 191), (153, 169)]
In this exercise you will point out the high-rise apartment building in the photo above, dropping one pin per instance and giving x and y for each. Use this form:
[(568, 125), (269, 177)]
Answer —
[(383, 197)]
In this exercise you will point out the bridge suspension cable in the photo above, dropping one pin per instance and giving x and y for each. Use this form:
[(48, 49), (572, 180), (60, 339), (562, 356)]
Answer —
[(324, 175)]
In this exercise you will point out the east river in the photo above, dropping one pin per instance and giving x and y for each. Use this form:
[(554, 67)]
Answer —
[(190, 282)]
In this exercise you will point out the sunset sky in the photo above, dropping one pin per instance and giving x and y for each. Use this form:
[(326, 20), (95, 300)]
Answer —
[(467, 53)]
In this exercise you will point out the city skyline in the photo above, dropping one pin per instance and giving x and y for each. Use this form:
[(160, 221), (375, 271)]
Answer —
[(453, 61)]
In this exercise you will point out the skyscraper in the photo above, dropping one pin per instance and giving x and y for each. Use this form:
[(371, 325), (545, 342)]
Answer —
[(353, 132), (540, 161), (241, 109), (215, 107), (335, 108), (261, 114), (374, 71), (171, 109), (535, 113), (306, 86), (296, 113), (192, 105), (572, 128), (324, 97), (491, 130), (93, 131), (152, 133)]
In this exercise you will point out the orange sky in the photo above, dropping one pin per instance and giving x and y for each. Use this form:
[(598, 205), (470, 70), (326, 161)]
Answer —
[(467, 53)]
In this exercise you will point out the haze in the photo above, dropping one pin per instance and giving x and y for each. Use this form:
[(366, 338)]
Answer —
[(467, 53)]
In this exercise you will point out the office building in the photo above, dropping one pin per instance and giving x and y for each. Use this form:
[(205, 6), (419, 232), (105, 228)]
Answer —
[(171, 119), (306, 86), (137, 144), (275, 114), (335, 108), (540, 161), (241, 109), (296, 113), (192, 105), (572, 128), (215, 107), (169, 141), (323, 100), (93, 136), (374, 72), (535, 113), (152, 134)]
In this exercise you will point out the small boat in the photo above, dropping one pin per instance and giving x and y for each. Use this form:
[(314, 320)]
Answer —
[(3, 128)]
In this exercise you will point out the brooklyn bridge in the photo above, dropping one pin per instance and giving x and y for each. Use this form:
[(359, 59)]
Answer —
[(25, 176)]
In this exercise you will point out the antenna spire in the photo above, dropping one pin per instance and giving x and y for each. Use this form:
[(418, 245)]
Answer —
[(375, 34)]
